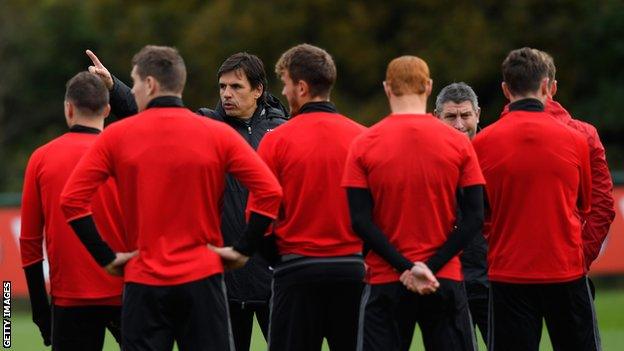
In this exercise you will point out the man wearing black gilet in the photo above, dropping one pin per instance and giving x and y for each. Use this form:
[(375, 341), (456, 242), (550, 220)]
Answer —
[(247, 106)]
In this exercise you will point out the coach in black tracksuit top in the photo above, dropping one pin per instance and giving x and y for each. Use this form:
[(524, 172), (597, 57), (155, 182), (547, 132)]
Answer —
[(457, 105), (242, 84)]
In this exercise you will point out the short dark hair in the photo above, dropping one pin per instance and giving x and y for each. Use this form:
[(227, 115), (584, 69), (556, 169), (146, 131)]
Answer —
[(311, 64), (523, 71), (248, 63), (457, 93), (164, 64), (550, 62), (87, 92)]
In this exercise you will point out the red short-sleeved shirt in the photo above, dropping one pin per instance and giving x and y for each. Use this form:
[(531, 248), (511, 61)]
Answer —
[(413, 166), (307, 156), (537, 173), (75, 277)]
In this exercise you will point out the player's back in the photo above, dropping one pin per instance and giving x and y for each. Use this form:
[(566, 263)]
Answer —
[(414, 164), (74, 275), (533, 165), (307, 155), (170, 167)]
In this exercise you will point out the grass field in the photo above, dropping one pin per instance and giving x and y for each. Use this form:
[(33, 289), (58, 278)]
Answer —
[(609, 308)]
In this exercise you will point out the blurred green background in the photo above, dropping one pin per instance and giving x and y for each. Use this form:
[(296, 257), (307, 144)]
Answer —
[(42, 45)]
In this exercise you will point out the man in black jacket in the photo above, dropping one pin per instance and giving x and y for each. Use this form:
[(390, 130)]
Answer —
[(457, 105), (247, 106)]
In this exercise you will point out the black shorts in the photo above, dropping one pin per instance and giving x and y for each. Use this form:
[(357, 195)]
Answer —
[(390, 312), (82, 328), (517, 312), (193, 314), (315, 299)]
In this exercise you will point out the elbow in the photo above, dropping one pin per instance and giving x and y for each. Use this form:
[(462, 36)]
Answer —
[(611, 215), (65, 205), (479, 220), (275, 192), (73, 209), (279, 192), (478, 223), (474, 223)]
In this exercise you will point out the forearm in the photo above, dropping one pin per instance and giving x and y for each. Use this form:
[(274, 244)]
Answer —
[(471, 223), (87, 233), (360, 208), (37, 290), (121, 100), (251, 239)]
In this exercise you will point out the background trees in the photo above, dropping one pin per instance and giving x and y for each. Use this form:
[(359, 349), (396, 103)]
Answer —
[(42, 45)]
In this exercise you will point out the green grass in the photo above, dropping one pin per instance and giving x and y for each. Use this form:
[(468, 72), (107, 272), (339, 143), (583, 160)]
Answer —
[(609, 308)]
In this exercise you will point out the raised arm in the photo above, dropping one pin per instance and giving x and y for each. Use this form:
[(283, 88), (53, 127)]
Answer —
[(121, 99)]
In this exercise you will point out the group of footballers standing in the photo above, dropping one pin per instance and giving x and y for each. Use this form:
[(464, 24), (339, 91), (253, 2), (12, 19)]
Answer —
[(318, 226)]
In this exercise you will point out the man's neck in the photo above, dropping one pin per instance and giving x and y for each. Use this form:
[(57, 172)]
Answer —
[(408, 104), (317, 99), (93, 122), (314, 99), (166, 93), (515, 98)]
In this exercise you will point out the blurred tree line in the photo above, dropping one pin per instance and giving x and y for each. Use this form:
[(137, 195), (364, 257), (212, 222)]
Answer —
[(42, 45)]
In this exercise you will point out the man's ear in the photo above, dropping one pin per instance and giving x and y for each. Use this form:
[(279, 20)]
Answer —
[(153, 86), (303, 88), (258, 91), (553, 88), (69, 110), (106, 111), (428, 87), (545, 87), (506, 91), (387, 89)]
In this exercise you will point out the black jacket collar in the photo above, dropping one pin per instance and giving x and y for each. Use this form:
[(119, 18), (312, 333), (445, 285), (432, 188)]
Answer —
[(165, 101), (530, 104), (77, 128), (318, 106)]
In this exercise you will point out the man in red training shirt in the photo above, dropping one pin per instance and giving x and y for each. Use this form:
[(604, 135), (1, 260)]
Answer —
[(402, 176), (318, 281), (602, 213), (538, 181), (170, 167), (85, 300), (599, 218)]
